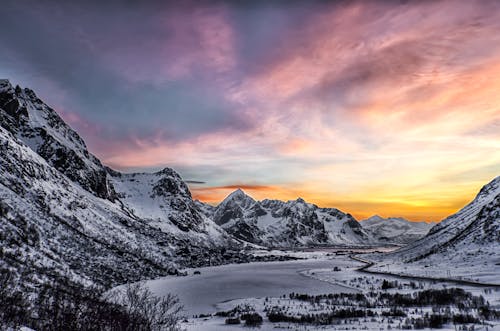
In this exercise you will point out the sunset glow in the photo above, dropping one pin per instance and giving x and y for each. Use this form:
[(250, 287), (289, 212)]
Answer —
[(365, 106)]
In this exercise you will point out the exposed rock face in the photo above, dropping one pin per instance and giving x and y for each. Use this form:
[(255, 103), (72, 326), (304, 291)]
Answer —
[(277, 223), (63, 213), (38, 126)]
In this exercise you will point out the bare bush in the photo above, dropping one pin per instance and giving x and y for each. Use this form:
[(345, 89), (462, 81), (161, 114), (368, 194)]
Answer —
[(63, 305), (158, 313)]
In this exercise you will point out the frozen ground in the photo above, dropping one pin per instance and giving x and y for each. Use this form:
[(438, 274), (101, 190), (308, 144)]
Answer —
[(200, 293), (466, 267), (262, 285)]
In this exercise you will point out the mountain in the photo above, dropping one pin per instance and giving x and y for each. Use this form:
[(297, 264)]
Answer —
[(39, 127), (465, 244), (62, 213), (275, 223), (395, 230)]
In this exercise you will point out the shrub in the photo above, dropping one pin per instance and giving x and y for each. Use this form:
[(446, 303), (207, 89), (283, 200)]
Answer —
[(232, 321), (158, 313), (464, 319), (63, 305), (252, 319), (394, 312), (387, 285)]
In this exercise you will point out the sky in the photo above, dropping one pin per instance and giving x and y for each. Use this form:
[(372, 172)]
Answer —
[(372, 107)]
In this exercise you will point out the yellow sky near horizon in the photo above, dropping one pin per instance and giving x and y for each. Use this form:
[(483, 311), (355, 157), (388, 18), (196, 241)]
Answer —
[(430, 205)]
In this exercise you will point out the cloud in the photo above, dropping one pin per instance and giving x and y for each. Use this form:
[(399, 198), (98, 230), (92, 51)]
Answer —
[(110, 74), (188, 181), (215, 194), (352, 103)]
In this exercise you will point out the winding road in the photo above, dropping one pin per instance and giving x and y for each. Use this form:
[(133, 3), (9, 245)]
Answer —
[(368, 264)]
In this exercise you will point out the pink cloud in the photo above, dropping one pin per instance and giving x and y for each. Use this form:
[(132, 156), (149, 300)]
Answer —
[(82, 125), (188, 42), (366, 100)]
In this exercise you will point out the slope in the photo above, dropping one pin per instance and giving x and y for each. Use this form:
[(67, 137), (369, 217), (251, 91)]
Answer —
[(60, 214), (465, 245), (395, 230), (275, 223)]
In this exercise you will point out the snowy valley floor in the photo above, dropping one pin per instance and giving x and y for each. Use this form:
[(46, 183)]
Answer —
[(211, 295)]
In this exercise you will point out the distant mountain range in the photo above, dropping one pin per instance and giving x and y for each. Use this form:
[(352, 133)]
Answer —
[(395, 230), (275, 223), (63, 213)]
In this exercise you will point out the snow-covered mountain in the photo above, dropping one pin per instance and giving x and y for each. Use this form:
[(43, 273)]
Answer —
[(275, 223), (466, 244), (39, 127), (395, 230), (63, 213)]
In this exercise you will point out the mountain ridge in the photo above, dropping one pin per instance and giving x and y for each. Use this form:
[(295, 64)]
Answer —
[(65, 212), (395, 230), (286, 223), (464, 245), (60, 209)]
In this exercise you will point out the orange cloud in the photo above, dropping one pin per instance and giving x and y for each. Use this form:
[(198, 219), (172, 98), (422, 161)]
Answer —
[(361, 206), (216, 194), (366, 108)]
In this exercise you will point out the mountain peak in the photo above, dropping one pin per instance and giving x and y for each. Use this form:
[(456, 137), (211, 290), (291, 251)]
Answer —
[(396, 230), (5, 84), (39, 126), (237, 194), (375, 217), (168, 172), (238, 197), (378, 218), (490, 188), (50, 181)]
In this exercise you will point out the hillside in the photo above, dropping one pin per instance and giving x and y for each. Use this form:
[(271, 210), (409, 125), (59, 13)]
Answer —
[(293, 223), (395, 230), (64, 214), (465, 245)]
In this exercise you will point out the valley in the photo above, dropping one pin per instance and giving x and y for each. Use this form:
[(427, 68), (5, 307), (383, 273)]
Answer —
[(71, 225), (308, 287)]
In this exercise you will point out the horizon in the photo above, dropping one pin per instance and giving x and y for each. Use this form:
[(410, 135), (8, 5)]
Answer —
[(349, 105), (215, 204)]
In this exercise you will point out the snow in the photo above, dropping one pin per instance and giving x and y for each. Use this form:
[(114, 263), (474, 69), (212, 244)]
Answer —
[(266, 221), (58, 224), (287, 224), (263, 284), (200, 293), (72, 230), (136, 190), (395, 230), (465, 246), (94, 217)]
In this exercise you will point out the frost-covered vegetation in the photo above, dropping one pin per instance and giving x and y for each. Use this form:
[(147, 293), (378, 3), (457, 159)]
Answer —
[(363, 302), (433, 308), (65, 305)]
